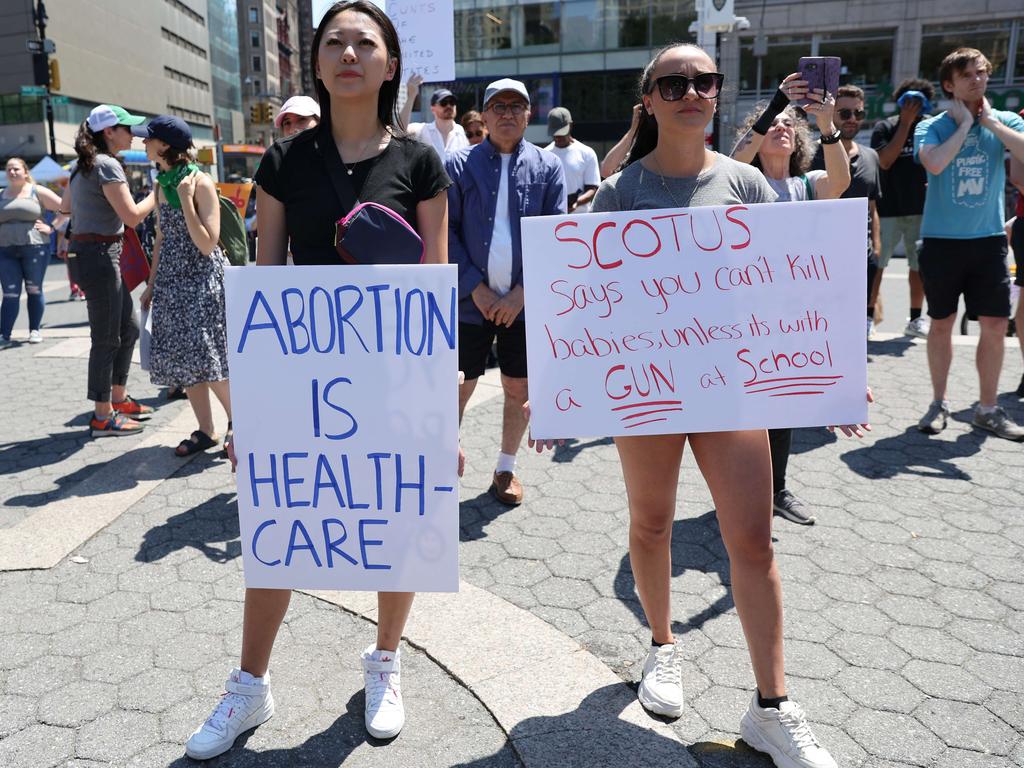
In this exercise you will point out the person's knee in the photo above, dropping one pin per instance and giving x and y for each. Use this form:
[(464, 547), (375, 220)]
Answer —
[(943, 325), (651, 531), (516, 390), (751, 548), (993, 325), (32, 289)]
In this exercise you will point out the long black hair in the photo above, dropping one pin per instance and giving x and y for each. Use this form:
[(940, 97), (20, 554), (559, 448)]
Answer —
[(87, 146), (646, 137), (387, 103)]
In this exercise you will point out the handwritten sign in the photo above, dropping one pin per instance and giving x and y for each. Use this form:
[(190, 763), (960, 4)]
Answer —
[(237, 194), (426, 30), (696, 320), (345, 405)]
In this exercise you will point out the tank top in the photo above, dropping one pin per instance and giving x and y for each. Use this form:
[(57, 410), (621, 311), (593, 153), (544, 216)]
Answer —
[(18, 216)]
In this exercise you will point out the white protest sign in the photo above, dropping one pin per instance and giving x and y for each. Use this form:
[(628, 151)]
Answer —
[(345, 408), (426, 31), (696, 320)]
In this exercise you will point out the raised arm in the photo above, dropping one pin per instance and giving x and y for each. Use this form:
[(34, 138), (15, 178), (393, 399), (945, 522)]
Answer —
[(792, 87), (935, 157), (837, 162), (618, 153), (412, 89), (889, 153), (1012, 139), (120, 199)]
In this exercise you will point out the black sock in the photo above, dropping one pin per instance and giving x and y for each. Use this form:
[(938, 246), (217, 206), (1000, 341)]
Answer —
[(915, 312), (658, 645), (871, 312), (764, 703)]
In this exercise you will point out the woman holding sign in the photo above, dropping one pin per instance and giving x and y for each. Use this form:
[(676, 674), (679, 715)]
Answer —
[(669, 167), (777, 142), (357, 61)]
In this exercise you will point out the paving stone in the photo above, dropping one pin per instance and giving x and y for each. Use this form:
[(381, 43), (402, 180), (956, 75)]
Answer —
[(154, 691), (728, 667), (1002, 672), (914, 611), (117, 663), (76, 703), (930, 645), (879, 689), (988, 636), (16, 712), (961, 758), (38, 746), (945, 681), (722, 707), (893, 736), (520, 573), (967, 726), (104, 739), (565, 593), (969, 604), (867, 651), (858, 618), (42, 675)]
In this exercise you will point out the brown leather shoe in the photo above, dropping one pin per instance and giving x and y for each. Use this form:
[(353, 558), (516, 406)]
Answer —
[(507, 489)]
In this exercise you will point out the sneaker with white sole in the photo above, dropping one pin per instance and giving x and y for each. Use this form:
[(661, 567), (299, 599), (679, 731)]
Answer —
[(789, 506), (246, 703), (35, 337), (785, 735), (661, 687), (382, 680), (998, 423), (918, 327), (935, 419)]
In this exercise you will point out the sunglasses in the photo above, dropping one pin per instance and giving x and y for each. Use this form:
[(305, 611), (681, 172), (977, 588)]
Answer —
[(501, 109), (474, 134), (674, 87), (446, 103), (846, 114)]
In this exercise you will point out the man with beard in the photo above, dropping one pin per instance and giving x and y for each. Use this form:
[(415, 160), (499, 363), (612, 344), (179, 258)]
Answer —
[(444, 134)]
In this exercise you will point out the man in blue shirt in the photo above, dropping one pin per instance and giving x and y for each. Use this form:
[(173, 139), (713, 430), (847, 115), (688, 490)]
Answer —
[(964, 245), (494, 185)]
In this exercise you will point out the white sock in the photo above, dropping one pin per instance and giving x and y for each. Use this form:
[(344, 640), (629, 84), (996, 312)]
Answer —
[(506, 462), (985, 410)]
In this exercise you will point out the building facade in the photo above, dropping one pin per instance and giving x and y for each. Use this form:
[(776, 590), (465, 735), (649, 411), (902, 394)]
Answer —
[(225, 70), (271, 71), (150, 56)]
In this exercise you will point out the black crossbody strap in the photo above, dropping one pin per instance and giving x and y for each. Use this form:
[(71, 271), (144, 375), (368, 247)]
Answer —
[(342, 184)]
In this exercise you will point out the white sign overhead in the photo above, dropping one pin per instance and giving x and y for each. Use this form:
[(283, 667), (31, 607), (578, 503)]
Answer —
[(696, 320), (345, 408)]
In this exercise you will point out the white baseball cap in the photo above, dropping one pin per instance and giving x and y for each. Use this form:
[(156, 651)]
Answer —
[(505, 84), (109, 115), (303, 106)]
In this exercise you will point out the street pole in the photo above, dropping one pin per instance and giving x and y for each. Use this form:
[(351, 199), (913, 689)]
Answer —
[(40, 13)]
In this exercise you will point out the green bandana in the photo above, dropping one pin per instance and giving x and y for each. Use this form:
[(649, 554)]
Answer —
[(171, 178)]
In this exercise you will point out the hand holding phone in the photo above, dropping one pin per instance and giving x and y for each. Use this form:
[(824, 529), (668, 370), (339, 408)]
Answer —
[(820, 72)]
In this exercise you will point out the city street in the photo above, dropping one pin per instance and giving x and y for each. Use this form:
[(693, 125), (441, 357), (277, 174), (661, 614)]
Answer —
[(121, 594)]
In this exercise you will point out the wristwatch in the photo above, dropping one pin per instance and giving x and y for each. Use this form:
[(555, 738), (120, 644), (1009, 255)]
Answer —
[(831, 139)]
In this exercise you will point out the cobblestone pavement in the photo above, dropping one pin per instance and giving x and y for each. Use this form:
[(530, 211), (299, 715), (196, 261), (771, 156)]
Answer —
[(905, 604)]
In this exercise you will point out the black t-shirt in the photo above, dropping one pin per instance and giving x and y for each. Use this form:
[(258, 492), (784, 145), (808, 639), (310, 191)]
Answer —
[(294, 171), (903, 185), (865, 178)]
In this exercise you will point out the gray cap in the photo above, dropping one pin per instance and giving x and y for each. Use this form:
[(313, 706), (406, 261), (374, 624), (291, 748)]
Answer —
[(559, 122), (505, 84)]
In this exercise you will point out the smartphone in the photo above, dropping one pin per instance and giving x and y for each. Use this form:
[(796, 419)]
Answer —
[(819, 72)]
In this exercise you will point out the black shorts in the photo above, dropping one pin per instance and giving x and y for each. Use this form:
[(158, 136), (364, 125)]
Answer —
[(974, 268), (475, 343), (1017, 241)]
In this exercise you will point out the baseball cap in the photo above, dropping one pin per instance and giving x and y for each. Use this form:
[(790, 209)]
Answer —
[(505, 84), (303, 106), (169, 129), (440, 93), (559, 122), (109, 115)]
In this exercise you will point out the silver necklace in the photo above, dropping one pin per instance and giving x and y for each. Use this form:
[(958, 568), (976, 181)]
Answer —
[(668, 189), (350, 169)]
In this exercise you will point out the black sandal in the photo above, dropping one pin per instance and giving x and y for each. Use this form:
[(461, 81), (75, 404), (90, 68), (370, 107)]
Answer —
[(229, 436), (199, 441)]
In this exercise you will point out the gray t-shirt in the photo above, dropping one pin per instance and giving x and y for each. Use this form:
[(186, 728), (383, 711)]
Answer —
[(794, 189), (18, 216), (90, 211), (727, 182)]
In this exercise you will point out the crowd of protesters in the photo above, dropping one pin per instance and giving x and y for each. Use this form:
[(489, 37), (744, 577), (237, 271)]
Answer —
[(464, 186)]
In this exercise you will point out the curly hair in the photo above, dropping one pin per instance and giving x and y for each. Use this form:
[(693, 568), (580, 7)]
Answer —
[(915, 84), (174, 157), (803, 145), (87, 145)]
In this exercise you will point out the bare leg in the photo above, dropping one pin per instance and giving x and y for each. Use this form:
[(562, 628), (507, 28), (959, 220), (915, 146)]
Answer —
[(222, 392), (465, 392), (737, 468), (940, 353), (989, 358), (650, 467), (392, 613), (513, 422), (916, 289), (199, 399), (264, 612)]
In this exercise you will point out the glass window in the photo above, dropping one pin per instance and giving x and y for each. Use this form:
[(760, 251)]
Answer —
[(784, 52), (866, 55), (622, 88), (1018, 69), (257, 87), (15, 108), (991, 38), (254, 14), (483, 33), (670, 21), (541, 25), (257, 64), (255, 39), (542, 97), (628, 24), (582, 25), (583, 96)]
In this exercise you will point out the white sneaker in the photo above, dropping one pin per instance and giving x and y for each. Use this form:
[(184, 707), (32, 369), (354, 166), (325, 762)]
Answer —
[(382, 681), (784, 734), (661, 687), (246, 703), (35, 337), (918, 327), (871, 328)]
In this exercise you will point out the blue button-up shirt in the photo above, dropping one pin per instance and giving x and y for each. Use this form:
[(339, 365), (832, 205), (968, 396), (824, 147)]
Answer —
[(536, 188)]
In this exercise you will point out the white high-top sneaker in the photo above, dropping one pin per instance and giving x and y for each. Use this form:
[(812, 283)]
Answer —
[(246, 703), (784, 734), (661, 687), (382, 679)]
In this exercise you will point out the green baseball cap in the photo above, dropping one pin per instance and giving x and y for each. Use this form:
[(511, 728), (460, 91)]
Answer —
[(109, 115)]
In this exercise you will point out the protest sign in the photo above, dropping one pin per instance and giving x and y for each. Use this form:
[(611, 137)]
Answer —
[(345, 409), (237, 193), (696, 320), (426, 31)]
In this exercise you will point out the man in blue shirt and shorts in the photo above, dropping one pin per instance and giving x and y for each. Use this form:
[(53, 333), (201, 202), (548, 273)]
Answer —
[(964, 245)]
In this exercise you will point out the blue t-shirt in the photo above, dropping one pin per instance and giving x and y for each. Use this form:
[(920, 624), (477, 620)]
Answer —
[(965, 201)]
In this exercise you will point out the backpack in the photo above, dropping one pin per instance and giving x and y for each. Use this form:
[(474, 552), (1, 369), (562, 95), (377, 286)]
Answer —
[(232, 234)]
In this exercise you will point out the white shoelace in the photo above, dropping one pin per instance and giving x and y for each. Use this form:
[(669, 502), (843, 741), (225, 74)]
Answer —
[(794, 723), (378, 686), (668, 670), (229, 704)]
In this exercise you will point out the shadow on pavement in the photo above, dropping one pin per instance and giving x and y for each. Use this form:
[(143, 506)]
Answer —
[(809, 439), (477, 513), (689, 553), (715, 754), (41, 451), (565, 453), (890, 347), (215, 521), (915, 453)]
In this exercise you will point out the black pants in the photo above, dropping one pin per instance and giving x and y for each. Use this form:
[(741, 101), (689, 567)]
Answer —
[(780, 441), (96, 267)]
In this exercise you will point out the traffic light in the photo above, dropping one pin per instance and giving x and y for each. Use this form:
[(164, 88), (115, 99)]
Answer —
[(205, 156), (268, 112), (256, 114), (54, 75)]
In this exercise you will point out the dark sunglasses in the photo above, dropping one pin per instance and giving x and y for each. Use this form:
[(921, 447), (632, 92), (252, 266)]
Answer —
[(674, 87), (846, 114), (474, 134), (446, 103)]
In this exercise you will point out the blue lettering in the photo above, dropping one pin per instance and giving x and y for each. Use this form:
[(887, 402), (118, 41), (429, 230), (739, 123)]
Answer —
[(332, 548), (256, 538), (376, 465), (343, 319), (398, 321), (348, 485), (327, 395), (423, 321), (312, 319), (259, 300), (448, 331), (365, 542), (294, 323), (271, 481), (289, 481), (376, 291), (400, 486), (299, 528), (324, 467)]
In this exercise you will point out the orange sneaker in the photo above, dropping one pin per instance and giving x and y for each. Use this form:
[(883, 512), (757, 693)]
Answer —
[(133, 409), (115, 425)]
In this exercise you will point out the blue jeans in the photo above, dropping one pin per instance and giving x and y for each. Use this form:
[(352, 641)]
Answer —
[(22, 264)]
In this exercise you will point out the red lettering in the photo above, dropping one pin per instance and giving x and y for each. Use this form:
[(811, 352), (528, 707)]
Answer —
[(721, 237), (626, 390), (600, 228), (590, 254), (675, 233), (653, 231), (729, 217)]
